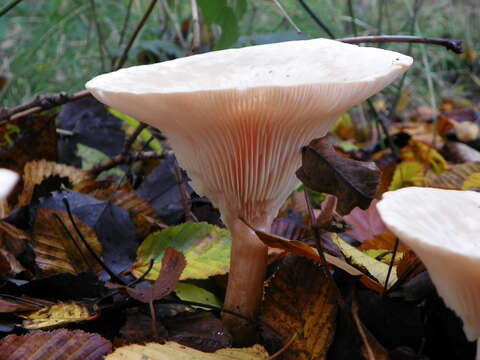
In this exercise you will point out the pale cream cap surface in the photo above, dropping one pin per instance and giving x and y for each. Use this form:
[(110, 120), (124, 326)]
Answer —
[(8, 180), (442, 227)]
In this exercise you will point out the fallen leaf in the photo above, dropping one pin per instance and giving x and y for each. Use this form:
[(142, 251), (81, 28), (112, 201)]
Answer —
[(408, 173), (353, 182), (55, 345), (409, 267), (172, 350), (302, 249), (365, 224), (190, 292), (375, 269), (54, 250), (206, 248), (299, 281), (35, 172), (472, 182), (452, 178), (173, 263), (417, 151), (199, 330), (12, 238), (9, 265), (466, 130), (60, 314), (10, 304)]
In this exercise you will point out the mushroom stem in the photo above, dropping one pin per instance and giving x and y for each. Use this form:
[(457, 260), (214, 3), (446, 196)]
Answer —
[(245, 282)]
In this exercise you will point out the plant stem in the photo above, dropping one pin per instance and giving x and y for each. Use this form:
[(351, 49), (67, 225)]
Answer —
[(9, 7), (248, 267)]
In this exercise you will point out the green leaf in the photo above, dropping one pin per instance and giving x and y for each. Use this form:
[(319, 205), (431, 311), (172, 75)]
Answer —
[(408, 173), (190, 292), (212, 10), (230, 29), (132, 123), (206, 248), (240, 8)]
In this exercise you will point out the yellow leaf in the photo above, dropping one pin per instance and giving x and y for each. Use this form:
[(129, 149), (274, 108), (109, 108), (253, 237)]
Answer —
[(59, 314), (206, 248), (368, 265), (344, 128), (408, 173), (171, 350), (472, 182), (425, 154)]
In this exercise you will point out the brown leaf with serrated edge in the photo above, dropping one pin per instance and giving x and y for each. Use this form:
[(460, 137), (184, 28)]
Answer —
[(452, 178), (60, 314), (55, 252), (13, 239), (55, 345), (173, 263), (172, 350), (353, 182), (299, 281), (35, 172)]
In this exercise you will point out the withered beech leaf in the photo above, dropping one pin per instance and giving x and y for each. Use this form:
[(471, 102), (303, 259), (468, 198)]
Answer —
[(299, 281), (353, 182), (54, 345), (173, 263), (55, 252)]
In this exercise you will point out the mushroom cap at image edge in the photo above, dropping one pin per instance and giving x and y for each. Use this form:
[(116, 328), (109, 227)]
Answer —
[(8, 180), (442, 227), (237, 120)]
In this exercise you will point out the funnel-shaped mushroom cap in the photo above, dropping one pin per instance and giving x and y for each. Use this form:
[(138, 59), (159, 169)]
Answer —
[(238, 118), (443, 228), (8, 179)]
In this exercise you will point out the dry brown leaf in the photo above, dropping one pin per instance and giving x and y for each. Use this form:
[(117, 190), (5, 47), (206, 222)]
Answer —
[(13, 239), (383, 241), (35, 172), (299, 281), (302, 249), (55, 252), (60, 314), (452, 178), (409, 267), (9, 304), (9, 265), (55, 345), (173, 263), (353, 182), (171, 350)]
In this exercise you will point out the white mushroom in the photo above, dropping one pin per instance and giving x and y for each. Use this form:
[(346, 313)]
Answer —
[(8, 180), (443, 228), (237, 120)]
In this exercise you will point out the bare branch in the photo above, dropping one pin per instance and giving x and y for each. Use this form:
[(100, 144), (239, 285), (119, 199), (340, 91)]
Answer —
[(196, 43), (453, 45), (9, 7)]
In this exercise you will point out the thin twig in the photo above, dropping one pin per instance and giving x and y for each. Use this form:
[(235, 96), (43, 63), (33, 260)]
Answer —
[(131, 139), (176, 26), (284, 347), (395, 248), (316, 19), (125, 24), (321, 253), (186, 200), (196, 44), (102, 46), (9, 7), (74, 242), (113, 276), (126, 159), (286, 16), (153, 314), (450, 44), (142, 22), (351, 11)]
